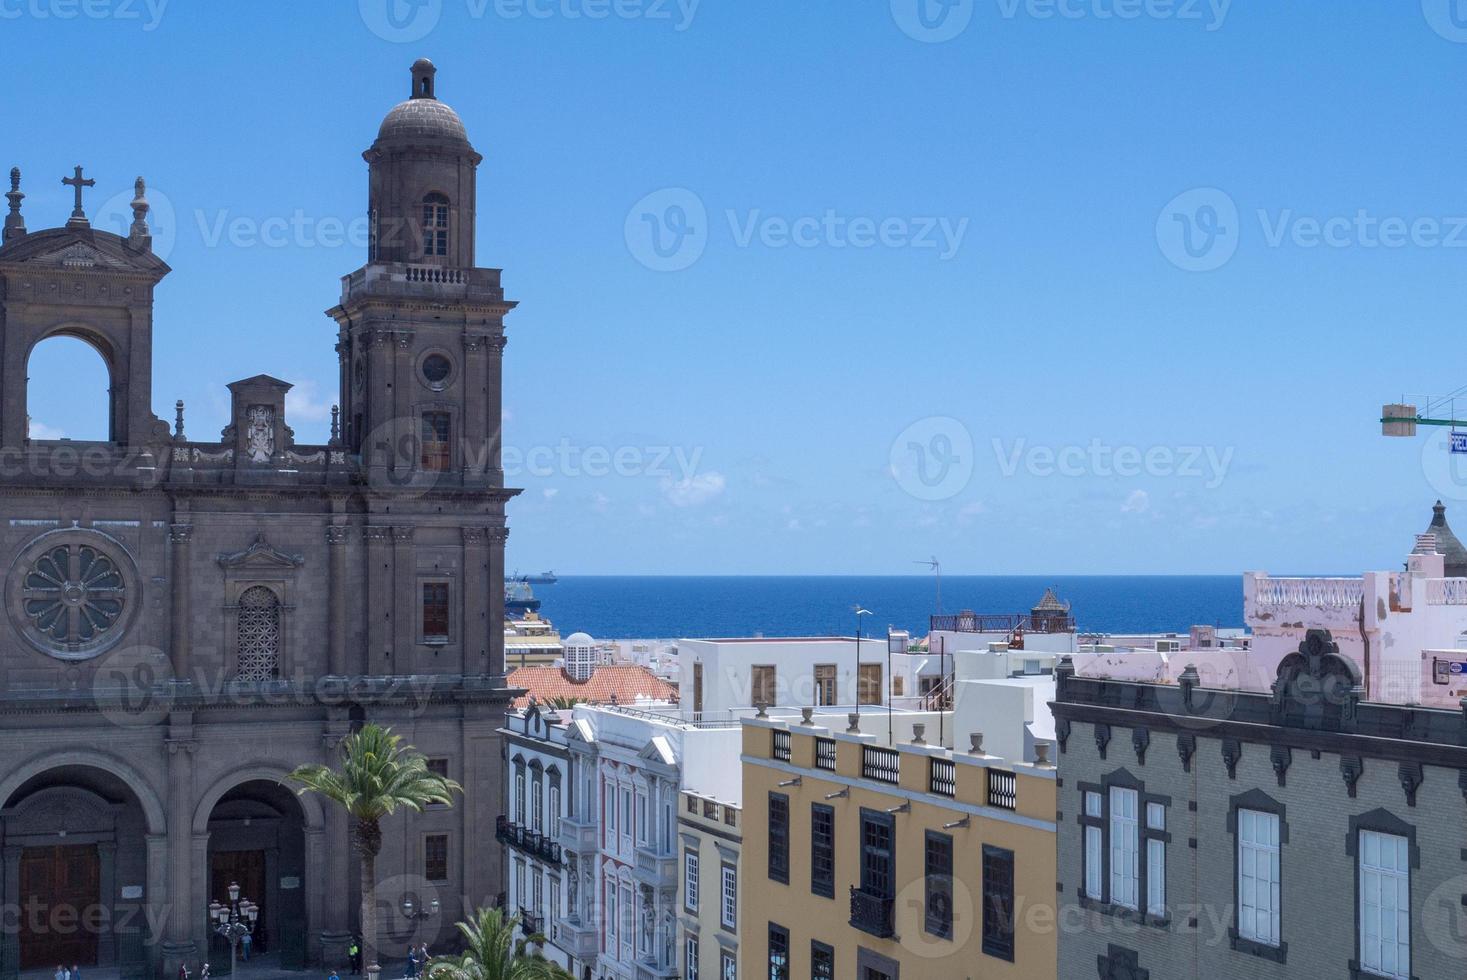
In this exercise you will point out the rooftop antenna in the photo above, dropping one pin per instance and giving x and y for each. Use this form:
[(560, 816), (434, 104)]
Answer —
[(936, 567)]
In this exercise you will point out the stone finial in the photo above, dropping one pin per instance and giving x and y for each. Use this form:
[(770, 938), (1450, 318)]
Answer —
[(138, 236), (335, 425), (1041, 755), (763, 710), (807, 715), (919, 734), (178, 421), (855, 720), (976, 740), (1189, 681), (14, 222)]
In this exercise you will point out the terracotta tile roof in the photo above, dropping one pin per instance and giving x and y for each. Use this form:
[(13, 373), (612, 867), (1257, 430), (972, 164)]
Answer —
[(628, 682)]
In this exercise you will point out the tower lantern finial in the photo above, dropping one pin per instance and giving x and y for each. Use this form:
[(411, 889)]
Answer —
[(423, 72), (14, 222)]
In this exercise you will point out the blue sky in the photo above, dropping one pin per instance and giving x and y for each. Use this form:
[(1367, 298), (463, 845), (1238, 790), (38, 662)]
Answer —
[(981, 297)]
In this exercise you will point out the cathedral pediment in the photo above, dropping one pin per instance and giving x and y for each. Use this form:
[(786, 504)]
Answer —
[(79, 250), (261, 554)]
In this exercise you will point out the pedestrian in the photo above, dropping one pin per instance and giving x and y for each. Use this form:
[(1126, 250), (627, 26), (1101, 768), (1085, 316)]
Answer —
[(60, 972), (75, 972), (333, 976), (183, 973), (244, 945), (412, 963), (204, 972), (354, 952), (423, 958)]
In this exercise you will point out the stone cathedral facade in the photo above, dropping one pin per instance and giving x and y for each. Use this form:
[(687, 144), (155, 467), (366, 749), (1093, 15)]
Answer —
[(189, 617)]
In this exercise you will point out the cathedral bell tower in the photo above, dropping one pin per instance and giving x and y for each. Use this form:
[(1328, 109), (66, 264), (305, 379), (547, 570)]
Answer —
[(421, 328)]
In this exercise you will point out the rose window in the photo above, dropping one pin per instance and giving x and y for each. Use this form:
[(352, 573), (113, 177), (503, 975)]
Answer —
[(73, 595)]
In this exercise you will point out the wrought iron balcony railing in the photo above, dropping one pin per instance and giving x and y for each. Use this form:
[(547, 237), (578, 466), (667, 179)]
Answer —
[(873, 914)]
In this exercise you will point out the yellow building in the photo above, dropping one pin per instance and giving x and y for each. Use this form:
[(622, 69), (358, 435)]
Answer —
[(879, 862)]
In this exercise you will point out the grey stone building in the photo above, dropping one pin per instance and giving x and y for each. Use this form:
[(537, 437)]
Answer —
[(1299, 833), (188, 618)]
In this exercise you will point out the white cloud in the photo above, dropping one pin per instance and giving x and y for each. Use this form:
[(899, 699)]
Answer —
[(40, 430), (305, 403), (1139, 502), (550, 492), (694, 490)]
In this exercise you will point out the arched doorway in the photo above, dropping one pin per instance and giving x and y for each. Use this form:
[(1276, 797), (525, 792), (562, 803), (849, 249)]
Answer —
[(69, 390), (76, 872), (257, 840)]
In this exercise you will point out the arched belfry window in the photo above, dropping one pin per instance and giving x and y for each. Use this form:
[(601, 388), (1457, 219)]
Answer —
[(259, 635), (435, 225)]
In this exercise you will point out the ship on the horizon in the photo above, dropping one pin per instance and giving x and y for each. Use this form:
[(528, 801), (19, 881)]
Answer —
[(544, 578)]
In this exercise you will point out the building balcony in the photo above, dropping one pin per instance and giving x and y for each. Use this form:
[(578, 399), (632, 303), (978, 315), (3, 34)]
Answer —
[(531, 924), (579, 939), (873, 914), (578, 835), (526, 841), (654, 868), (649, 971)]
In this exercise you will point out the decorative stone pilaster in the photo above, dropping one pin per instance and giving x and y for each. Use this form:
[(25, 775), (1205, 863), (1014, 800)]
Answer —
[(497, 537), (178, 945), (180, 581), (336, 665), (378, 654), (404, 593)]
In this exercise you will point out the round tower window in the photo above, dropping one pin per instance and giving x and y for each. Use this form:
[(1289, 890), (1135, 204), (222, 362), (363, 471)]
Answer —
[(436, 369)]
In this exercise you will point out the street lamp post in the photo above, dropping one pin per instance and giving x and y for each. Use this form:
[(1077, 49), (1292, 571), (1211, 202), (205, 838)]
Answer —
[(859, 613), (234, 921)]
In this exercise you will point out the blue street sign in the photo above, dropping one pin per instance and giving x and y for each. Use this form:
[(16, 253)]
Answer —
[(1459, 442)]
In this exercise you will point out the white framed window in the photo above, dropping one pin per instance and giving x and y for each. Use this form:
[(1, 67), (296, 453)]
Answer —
[(519, 794), (690, 958), (537, 892), (611, 919), (555, 911), (1156, 861), (642, 834), (609, 794), (628, 926), (537, 807), (1125, 838), (1094, 849), (626, 814), (729, 910), (1258, 877), (554, 830), (690, 880), (729, 966), (1385, 905)]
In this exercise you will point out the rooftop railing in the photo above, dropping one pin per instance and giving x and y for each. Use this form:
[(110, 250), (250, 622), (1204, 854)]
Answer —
[(1338, 593), (967, 622)]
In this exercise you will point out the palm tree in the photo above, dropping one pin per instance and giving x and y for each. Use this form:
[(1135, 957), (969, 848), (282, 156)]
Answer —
[(492, 953), (378, 775)]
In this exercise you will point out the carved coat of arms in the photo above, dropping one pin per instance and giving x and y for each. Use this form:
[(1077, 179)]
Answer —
[(260, 433)]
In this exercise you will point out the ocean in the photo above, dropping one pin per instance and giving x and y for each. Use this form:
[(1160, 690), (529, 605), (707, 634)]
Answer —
[(672, 607)]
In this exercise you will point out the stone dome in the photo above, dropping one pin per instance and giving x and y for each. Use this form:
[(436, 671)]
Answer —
[(423, 120), (579, 640)]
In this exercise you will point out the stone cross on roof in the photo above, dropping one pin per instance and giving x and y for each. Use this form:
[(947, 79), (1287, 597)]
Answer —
[(78, 217)]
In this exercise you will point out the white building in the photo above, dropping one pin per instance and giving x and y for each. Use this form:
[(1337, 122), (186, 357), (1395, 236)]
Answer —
[(718, 677), (621, 836), (539, 788)]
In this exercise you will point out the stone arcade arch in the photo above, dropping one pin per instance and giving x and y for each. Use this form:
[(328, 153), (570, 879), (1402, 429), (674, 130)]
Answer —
[(83, 843), (252, 828), (80, 349)]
